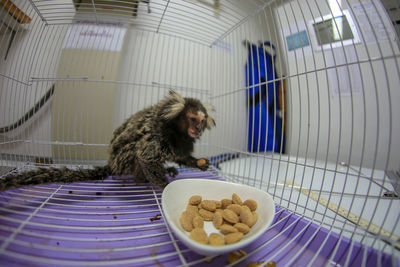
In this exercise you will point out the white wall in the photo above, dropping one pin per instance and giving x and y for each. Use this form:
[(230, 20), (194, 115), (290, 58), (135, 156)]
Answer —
[(154, 63), (34, 53), (230, 57), (151, 65), (349, 128), (215, 74)]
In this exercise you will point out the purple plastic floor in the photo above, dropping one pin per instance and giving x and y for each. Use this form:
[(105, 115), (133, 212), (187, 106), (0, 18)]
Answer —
[(111, 223)]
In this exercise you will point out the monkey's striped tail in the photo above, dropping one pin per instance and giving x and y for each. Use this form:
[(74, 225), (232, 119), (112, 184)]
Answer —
[(53, 175)]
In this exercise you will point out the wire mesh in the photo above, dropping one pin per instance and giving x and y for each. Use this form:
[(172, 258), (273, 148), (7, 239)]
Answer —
[(333, 172)]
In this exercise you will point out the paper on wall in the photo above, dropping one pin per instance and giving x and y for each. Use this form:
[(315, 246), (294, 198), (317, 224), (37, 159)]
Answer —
[(94, 37), (343, 71), (371, 20), (346, 79)]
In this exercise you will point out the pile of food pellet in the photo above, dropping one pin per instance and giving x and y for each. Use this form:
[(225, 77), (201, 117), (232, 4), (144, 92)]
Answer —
[(232, 217)]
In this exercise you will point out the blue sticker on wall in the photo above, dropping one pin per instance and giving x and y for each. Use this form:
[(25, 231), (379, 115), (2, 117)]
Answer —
[(297, 40)]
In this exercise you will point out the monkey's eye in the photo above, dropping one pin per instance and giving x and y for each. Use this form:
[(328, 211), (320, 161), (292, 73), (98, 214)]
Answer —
[(192, 119)]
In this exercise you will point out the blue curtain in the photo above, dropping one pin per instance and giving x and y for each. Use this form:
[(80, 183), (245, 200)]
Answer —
[(264, 113)]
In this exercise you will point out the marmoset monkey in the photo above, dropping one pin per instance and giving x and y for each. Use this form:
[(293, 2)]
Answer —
[(164, 132)]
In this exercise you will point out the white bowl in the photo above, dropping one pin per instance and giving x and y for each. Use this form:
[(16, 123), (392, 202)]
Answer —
[(175, 199)]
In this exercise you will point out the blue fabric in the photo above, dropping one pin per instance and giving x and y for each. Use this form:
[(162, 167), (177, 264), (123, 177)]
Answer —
[(216, 160), (265, 126)]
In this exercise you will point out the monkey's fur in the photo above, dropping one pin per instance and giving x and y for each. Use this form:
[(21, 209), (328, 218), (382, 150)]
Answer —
[(139, 147)]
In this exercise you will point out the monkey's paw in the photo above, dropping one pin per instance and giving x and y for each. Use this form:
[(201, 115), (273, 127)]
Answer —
[(172, 171), (203, 164)]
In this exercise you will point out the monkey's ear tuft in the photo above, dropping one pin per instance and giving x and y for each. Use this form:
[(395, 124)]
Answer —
[(209, 108), (210, 122), (172, 110), (210, 119), (173, 105), (177, 96)]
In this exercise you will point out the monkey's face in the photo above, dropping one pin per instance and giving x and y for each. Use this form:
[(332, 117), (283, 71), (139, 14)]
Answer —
[(188, 116), (196, 122)]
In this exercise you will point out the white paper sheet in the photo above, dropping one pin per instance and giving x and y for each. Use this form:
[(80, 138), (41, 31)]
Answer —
[(94, 37), (371, 20), (346, 77)]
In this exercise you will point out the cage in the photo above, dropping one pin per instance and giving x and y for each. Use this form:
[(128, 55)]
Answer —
[(305, 93)]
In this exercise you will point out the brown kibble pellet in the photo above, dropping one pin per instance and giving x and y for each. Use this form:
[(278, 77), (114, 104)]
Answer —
[(233, 237), (186, 221), (255, 214), (225, 203), (199, 235), (228, 223), (255, 218), (208, 259), (192, 210), (236, 199), (198, 222), (219, 210), (230, 216), (246, 217), (218, 220), (235, 207), (252, 204), (255, 264), (216, 240), (208, 205), (233, 257), (244, 228), (236, 255), (227, 229), (201, 162), (207, 215), (195, 200), (245, 207), (218, 204)]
